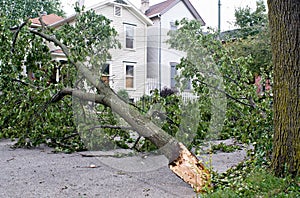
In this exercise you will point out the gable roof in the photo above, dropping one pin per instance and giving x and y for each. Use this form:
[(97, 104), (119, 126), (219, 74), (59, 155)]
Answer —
[(159, 8), (163, 7), (123, 3), (48, 20)]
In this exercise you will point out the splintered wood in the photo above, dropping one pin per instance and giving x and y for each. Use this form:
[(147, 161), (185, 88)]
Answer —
[(191, 170)]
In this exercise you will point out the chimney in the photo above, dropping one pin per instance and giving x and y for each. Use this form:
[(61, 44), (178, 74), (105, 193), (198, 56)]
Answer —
[(80, 3), (144, 6), (43, 13)]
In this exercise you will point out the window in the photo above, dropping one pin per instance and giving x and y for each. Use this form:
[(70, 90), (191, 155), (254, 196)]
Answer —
[(188, 84), (173, 26), (129, 84), (118, 11), (129, 39), (105, 74), (173, 75)]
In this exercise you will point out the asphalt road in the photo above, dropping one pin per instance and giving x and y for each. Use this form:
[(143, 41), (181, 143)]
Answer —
[(41, 173)]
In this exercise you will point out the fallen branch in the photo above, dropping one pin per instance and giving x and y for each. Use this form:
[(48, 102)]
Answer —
[(181, 161), (191, 171)]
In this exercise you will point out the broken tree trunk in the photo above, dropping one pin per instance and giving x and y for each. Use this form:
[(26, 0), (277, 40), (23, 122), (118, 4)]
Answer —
[(181, 161)]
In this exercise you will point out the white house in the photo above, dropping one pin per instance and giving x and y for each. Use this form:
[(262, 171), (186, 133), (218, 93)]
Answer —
[(161, 59), (127, 68)]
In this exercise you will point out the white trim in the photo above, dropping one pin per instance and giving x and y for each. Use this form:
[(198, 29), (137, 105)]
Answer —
[(57, 74), (109, 75), (134, 75)]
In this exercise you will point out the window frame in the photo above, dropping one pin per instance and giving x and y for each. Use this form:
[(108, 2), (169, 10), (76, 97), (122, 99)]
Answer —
[(188, 86), (133, 76), (127, 25), (173, 26), (173, 79), (105, 75)]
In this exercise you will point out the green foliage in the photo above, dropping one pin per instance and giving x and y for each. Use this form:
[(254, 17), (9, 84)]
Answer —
[(258, 47), (252, 38), (229, 70), (24, 97), (26, 111), (123, 94), (168, 111), (250, 22), (163, 108), (96, 127), (225, 148), (248, 181), (225, 87), (90, 39), (246, 18), (18, 10)]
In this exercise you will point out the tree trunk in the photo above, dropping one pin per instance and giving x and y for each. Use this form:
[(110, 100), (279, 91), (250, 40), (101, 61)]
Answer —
[(181, 161), (284, 18)]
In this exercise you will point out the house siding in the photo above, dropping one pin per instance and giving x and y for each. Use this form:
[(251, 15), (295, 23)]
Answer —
[(137, 56), (177, 12)]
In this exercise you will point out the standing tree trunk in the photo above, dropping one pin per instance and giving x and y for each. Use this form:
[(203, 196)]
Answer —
[(284, 17)]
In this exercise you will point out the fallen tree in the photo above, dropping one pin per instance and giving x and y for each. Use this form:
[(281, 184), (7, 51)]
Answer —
[(181, 161)]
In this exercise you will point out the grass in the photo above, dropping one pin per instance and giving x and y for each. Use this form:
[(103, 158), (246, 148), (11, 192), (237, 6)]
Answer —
[(259, 183)]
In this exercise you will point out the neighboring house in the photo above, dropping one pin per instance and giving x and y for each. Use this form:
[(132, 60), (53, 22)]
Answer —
[(127, 68), (161, 70), (48, 21)]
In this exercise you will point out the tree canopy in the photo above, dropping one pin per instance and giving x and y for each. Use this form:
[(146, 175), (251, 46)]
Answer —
[(251, 38), (28, 79), (18, 10), (246, 18)]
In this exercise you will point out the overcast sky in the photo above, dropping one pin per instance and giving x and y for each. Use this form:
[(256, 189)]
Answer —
[(208, 9)]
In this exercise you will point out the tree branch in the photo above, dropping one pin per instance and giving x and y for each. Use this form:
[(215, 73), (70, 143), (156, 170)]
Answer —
[(111, 127), (16, 34), (213, 73), (42, 21), (98, 98), (27, 84), (229, 96), (52, 39)]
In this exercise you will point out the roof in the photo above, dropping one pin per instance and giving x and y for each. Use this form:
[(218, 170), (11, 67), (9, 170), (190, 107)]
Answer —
[(57, 51), (48, 19), (158, 8), (163, 7), (123, 3)]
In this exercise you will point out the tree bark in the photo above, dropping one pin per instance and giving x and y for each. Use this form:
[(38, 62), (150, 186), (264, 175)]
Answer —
[(284, 19), (181, 161)]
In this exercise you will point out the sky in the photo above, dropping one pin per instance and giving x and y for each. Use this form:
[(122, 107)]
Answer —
[(208, 10)]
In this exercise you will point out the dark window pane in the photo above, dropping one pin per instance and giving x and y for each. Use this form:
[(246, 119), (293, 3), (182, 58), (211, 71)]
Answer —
[(173, 75), (129, 70), (105, 69), (129, 36)]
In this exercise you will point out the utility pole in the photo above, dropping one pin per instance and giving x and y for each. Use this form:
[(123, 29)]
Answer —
[(219, 16)]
